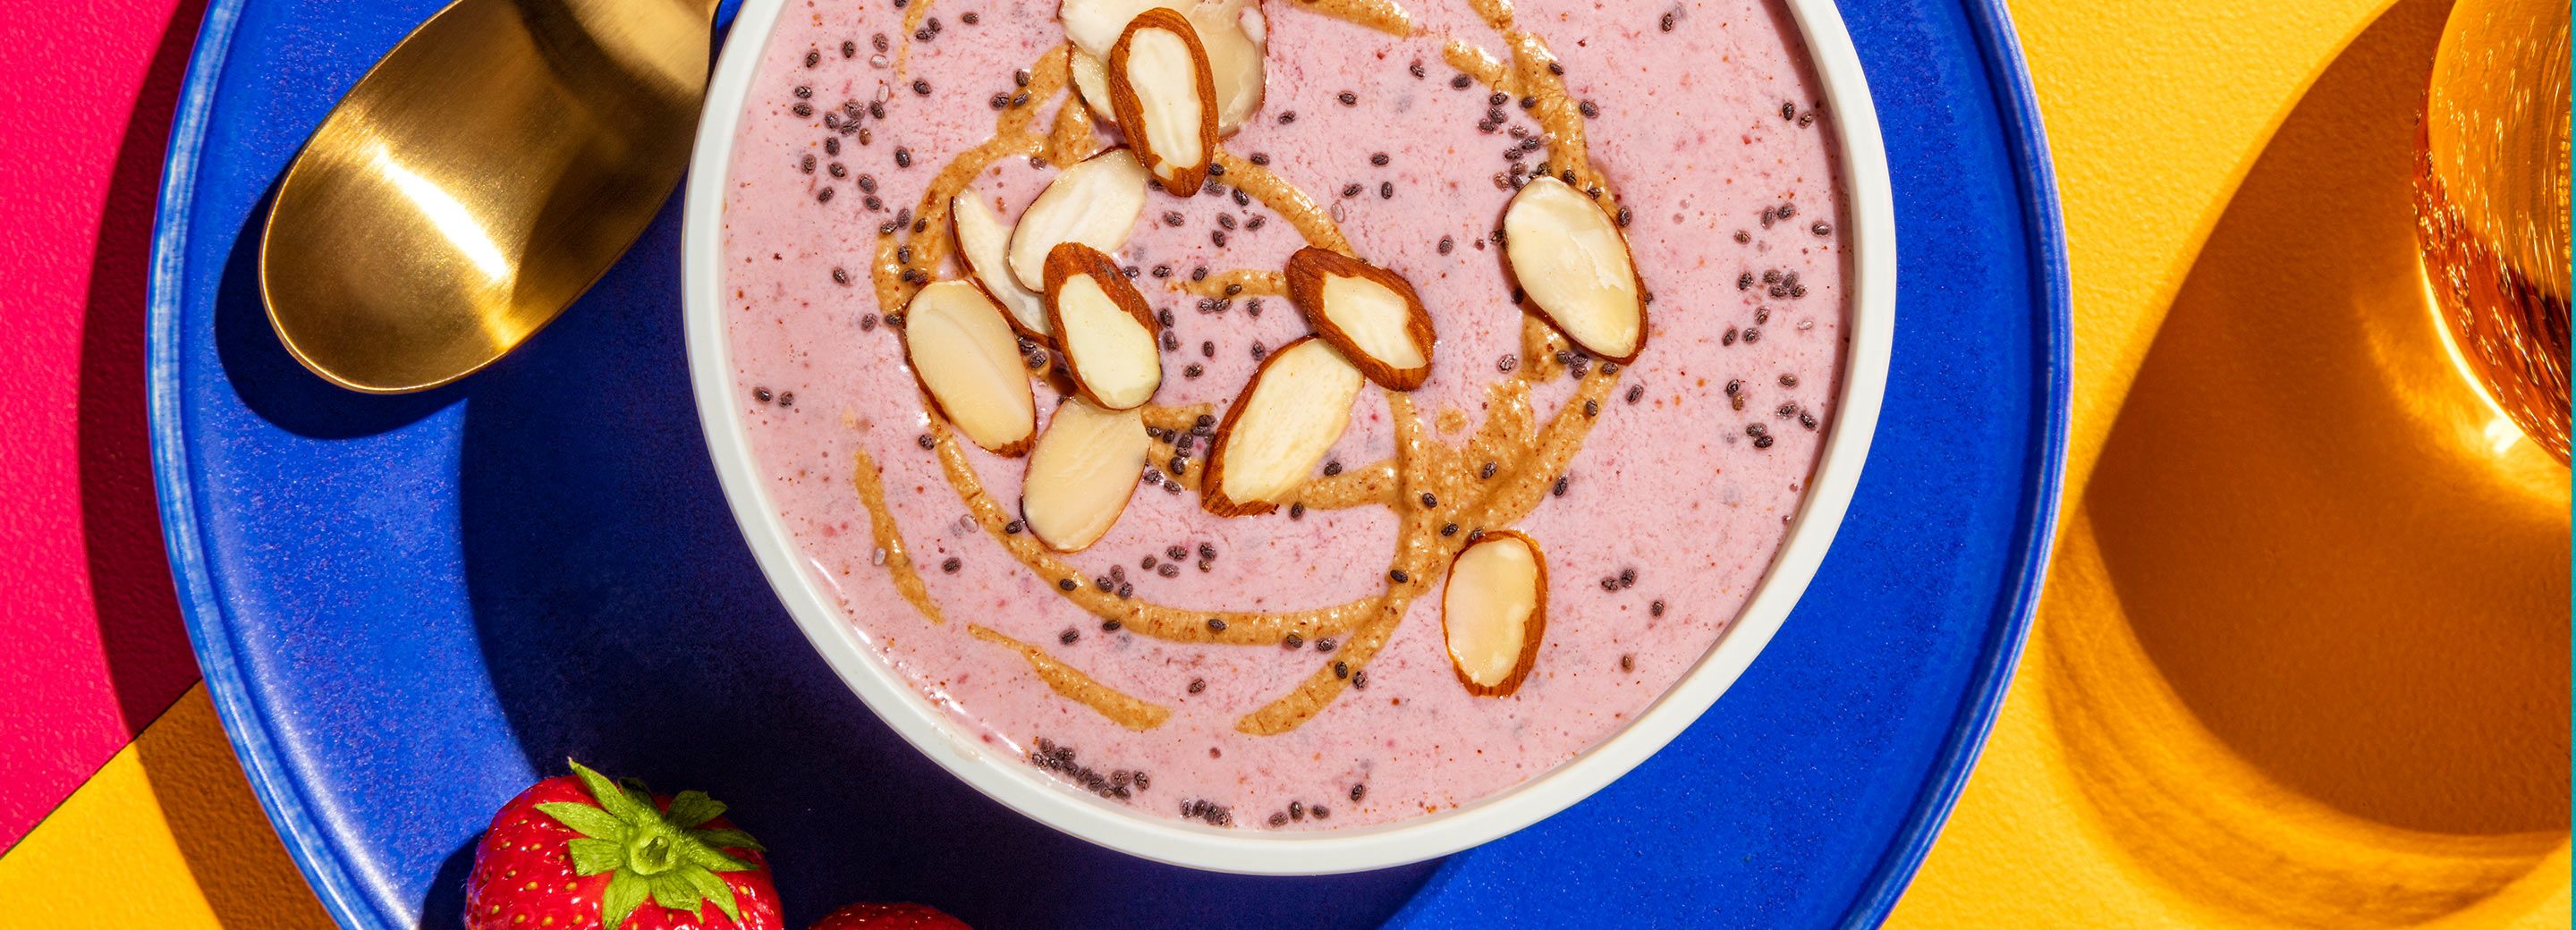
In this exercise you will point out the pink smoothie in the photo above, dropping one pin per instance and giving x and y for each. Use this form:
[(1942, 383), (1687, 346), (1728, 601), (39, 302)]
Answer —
[(1699, 115)]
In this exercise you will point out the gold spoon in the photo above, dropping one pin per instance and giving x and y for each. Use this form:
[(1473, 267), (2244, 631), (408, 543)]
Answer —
[(474, 183)]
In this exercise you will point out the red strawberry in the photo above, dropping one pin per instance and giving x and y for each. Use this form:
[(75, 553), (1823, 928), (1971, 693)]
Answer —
[(579, 851), (889, 917)]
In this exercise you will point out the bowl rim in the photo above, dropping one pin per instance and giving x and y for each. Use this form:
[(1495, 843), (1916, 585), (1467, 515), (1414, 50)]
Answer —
[(1871, 293)]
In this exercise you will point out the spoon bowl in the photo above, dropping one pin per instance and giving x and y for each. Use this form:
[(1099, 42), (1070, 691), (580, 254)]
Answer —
[(477, 181)]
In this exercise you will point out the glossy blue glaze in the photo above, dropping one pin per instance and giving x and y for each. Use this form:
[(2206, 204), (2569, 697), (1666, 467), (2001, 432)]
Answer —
[(407, 608)]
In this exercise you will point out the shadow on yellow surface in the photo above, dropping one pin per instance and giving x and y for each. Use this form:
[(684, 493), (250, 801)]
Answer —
[(2308, 636), (166, 836)]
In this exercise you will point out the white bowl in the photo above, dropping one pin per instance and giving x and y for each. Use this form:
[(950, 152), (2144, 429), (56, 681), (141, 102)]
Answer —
[(1008, 779)]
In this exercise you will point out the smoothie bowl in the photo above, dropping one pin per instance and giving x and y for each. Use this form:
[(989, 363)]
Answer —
[(1280, 436)]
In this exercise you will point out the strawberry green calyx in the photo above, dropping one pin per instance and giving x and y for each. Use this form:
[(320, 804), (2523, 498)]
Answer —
[(664, 857)]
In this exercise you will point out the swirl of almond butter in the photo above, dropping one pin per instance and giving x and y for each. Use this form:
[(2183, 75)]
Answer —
[(1176, 77)]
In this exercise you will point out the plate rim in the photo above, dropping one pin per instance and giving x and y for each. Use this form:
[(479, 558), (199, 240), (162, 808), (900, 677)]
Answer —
[(2017, 106), (1867, 355), (326, 866), (342, 892)]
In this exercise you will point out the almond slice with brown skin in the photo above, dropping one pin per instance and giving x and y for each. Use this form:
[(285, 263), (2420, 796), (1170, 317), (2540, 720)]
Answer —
[(1368, 312), (984, 244), (1237, 39), (1085, 468), (1493, 611), (968, 363), (1095, 25), (1274, 433), (1576, 268), (1234, 32), (1095, 202), (1091, 79), (1165, 97), (1104, 326)]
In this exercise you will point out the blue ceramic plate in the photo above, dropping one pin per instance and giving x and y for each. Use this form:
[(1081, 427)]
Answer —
[(409, 607)]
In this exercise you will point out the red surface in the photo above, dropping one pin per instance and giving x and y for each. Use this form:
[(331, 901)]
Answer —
[(94, 648)]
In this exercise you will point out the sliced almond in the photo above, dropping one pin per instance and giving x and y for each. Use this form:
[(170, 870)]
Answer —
[(1095, 202), (1292, 412), (984, 245), (1084, 469), (1104, 326), (1095, 25), (1575, 267), (1368, 312), (1493, 611), (969, 363), (1091, 79), (1165, 98), (1234, 32), (1237, 39)]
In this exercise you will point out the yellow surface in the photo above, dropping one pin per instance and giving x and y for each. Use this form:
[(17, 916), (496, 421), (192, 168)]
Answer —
[(165, 837), (2302, 660)]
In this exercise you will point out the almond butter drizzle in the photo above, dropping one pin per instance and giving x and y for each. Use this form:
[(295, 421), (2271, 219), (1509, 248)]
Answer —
[(1559, 115), (1385, 16), (912, 20), (1293, 205), (1014, 133), (889, 539), (1527, 457), (1124, 709), (1253, 282)]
